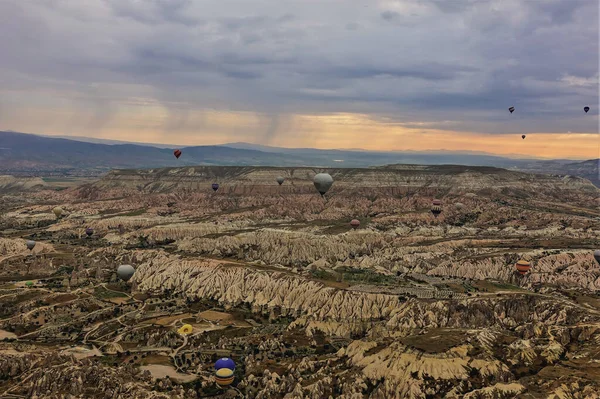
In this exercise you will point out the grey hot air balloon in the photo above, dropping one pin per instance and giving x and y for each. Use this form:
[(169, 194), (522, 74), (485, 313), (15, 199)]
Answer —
[(30, 244), (124, 272), (597, 255), (323, 182), (57, 212), (511, 109), (280, 180)]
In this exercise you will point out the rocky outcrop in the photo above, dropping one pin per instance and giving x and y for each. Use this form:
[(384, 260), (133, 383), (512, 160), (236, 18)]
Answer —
[(50, 376), (11, 184)]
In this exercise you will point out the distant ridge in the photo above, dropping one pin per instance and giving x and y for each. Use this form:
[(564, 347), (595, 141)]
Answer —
[(30, 154), (108, 141)]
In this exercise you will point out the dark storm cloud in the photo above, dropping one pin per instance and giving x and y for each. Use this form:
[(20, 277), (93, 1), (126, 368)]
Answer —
[(457, 6), (431, 71), (390, 15), (417, 60), (154, 11)]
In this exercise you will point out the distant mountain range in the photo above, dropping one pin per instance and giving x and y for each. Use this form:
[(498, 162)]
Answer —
[(30, 154)]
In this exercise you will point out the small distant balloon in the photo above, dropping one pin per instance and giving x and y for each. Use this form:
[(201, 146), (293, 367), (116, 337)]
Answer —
[(436, 207), (177, 153), (586, 109), (323, 182), (523, 137), (523, 266), (511, 109), (280, 180), (89, 231), (215, 186), (57, 211), (30, 244), (354, 223), (186, 329), (125, 272)]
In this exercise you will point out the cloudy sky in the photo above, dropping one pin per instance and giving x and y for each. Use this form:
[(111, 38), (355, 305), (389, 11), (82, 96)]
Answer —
[(374, 74)]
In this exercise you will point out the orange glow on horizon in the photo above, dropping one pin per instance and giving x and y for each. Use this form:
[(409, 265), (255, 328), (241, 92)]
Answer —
[(154, 124)]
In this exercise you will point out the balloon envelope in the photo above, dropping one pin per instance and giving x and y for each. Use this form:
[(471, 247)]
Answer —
[(224, 363), (280, 180), (355, 223), (125, 272), (323, 182), (177, 153), (436, 207), (523, 137), (511, 109), (57, 211), (224, 377), (185, 329), (89, 231), (30, 244), (586, 109), (523, 266), (215, 186)]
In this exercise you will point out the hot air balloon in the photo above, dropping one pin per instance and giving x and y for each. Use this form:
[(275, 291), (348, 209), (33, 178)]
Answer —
[(186, 329), (57, 212), (597, 255), (459, 205), (177, 153), (30, 244), (225, 363), (355, 223), (125, 272), (215, 186), (586, 109), (121, 229), (523, 137), (29, 284), (280, 180), (224, 377), (89, 231), (436, 207), (323, 182), (511, 109), (523, 266)]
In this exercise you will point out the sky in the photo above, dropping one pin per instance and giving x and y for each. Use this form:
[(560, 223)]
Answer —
[(377, 75)]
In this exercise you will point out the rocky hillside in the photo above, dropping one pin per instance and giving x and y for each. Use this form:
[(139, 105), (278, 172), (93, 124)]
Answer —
[(396, 179), (11, 184), (408, 305)]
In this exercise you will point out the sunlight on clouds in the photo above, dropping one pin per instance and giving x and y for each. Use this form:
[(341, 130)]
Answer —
[(145, 120)]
